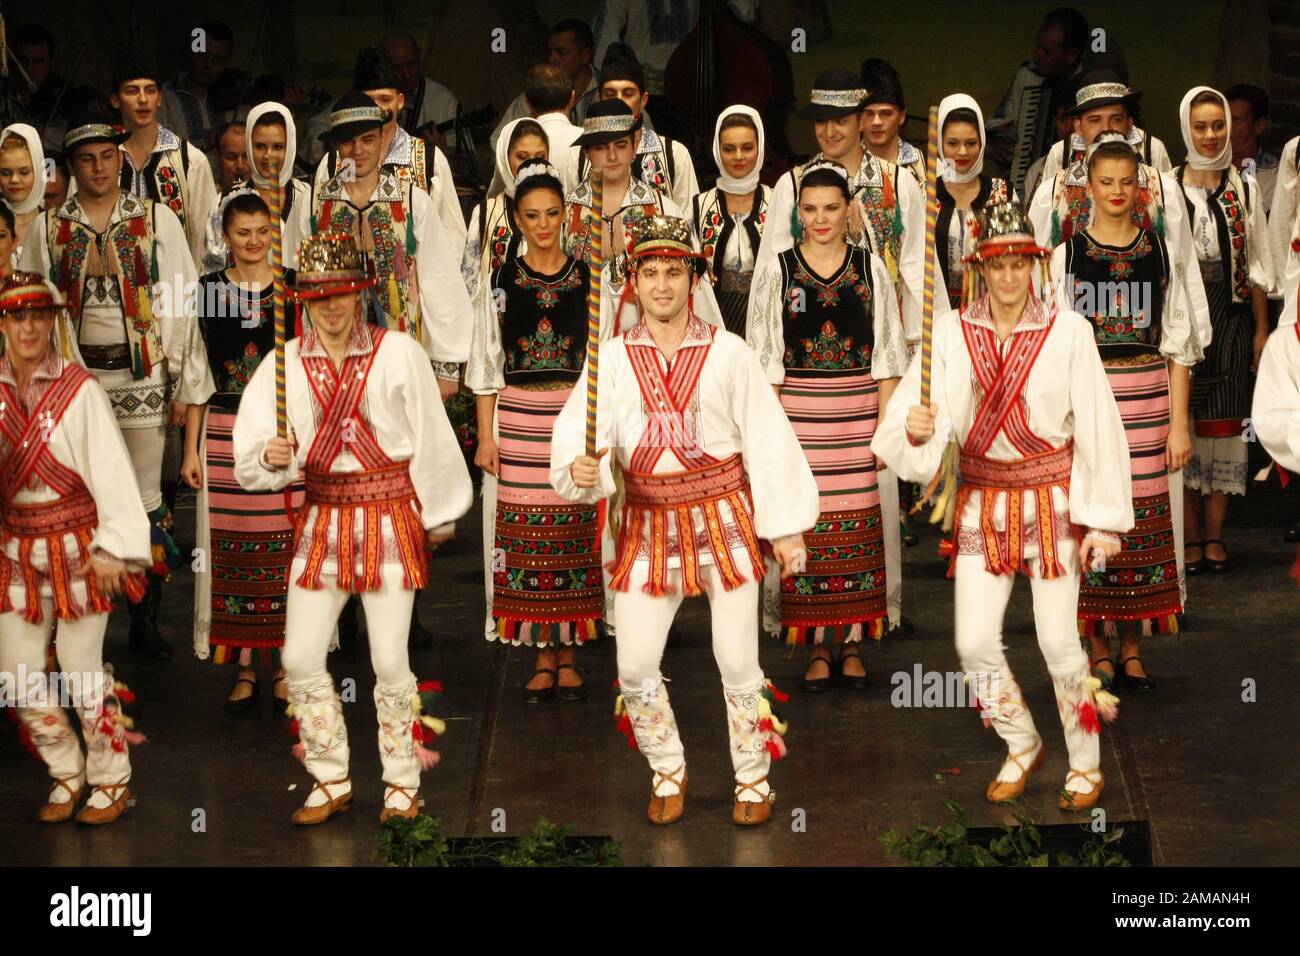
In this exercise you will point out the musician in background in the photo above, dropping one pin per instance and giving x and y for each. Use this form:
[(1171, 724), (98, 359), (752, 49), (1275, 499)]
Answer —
[(427, 101), (1249, 105), (232, 157), (1060, 45), (186, 108), (571, 45), (885, 117), (1062, 124)]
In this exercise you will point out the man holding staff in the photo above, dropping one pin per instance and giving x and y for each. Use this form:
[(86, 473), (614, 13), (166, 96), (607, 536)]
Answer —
[(709, 466), (385, 479), (1044, 464)]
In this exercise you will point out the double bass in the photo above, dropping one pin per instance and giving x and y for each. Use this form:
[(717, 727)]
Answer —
[(724, 62)]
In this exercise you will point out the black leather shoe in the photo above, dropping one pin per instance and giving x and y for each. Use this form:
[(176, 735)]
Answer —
[(146, 641), (1292, 534), (243, 704), (852, 681), (572, 693), (1197, 566), (1217, 567), (1142, 685), (542, 694), (815, 685)]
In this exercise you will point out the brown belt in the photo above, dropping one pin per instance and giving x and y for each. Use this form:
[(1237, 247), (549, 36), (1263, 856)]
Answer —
[(106, 358)]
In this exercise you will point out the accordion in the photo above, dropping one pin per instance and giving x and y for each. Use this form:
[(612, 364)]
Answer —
[(1034, 132)]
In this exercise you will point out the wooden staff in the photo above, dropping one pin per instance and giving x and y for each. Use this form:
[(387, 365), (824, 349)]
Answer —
[(942, 488), (596, 234), (931, 225), (277, 266)]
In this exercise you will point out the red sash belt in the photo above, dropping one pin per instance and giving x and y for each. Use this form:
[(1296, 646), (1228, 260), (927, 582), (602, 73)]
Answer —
[(51, 522), (1033, 475), (382, 485), (650, 498), (362, 498)]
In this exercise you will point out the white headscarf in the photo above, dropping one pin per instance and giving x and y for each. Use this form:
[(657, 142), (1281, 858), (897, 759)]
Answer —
[(290, 141), (503, 180), (959, 101), (1221, 160), (29, 136), (726, 182)]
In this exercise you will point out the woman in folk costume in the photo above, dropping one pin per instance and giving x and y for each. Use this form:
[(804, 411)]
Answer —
[(828, 335), (1275, 410), (385, 480), (964, 189), (271, 139), (75, 537), (494, 238), (888, 211), (1018, 386), (709, 466), (22, 176), (728, 219), (1120, 277), (247, 536), (1231, 243), (493, 234), (528, 347)]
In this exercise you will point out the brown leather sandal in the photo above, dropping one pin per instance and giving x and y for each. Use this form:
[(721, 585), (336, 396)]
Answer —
[(59, 812), (1000, 791), (748, 814), (669, 809), (310, 816), (96, 816), (412, 808)]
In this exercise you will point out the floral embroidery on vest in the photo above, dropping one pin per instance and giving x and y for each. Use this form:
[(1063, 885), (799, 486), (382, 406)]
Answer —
[(543, 350), (548, 293), (829, 351)]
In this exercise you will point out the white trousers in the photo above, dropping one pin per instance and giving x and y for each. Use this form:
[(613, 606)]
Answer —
[(146, 447), (981, 603), (309, 629), (643, 623), (80, 647)]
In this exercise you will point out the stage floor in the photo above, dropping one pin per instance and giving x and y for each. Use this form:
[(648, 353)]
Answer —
[(1213, 775)]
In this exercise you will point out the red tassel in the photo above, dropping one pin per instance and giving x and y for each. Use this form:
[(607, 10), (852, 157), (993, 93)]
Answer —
[(779, 697), (138, 226), (399, 213), (765, 725), (947, 547), (126, 695), (65, 231), (429, 686), (293, 727), (1088, 718), (773, 749), (299, 752)]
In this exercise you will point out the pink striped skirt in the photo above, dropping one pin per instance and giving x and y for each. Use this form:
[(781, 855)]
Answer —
[(547, 585), (841, 593)]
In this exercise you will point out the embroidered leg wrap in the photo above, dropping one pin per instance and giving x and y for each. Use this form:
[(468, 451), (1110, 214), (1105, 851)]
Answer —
[(1002, 706), (757, 736), (49, 733), (109, 732), (318, 722), (395, 708), (1083, 705), (654, 728)]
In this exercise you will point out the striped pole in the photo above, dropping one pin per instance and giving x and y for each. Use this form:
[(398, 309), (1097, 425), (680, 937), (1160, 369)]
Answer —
[(596, 233), (277, 265), (931, 224)]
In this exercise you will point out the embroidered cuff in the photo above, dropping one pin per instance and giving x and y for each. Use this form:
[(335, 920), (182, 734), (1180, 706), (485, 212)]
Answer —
[(448, 371), (1104, 535)]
